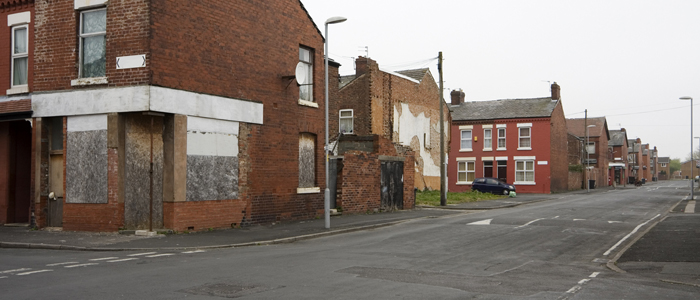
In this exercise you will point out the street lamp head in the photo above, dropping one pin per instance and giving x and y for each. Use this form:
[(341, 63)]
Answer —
[(686, 98), (335, 20)]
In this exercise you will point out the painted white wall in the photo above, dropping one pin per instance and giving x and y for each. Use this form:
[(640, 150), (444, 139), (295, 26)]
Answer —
[(87, 123), (145, 98), (408, 126)]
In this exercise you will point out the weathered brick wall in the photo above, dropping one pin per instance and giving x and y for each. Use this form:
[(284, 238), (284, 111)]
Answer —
[(8, 8), (16, 106), (575, 180), (56, 51), (559, 164), (202, 215), (574, 150)]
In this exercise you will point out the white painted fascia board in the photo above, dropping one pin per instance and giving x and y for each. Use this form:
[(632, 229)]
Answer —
[(466, 127), (523, 158), (19, 18), (205, 106), (198, 124), (90, 102)]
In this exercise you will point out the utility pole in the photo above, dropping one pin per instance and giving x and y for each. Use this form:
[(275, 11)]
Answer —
[(443, 185), (585, 130)]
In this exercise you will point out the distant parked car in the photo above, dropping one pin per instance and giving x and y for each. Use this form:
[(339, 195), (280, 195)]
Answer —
[(492, 185)]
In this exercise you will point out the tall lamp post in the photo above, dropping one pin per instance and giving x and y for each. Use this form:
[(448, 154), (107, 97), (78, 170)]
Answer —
[(588, 159), (692, 178), (327, 192)]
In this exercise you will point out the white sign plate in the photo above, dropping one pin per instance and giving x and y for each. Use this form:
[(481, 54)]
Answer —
[(542, 162), (129, 62)]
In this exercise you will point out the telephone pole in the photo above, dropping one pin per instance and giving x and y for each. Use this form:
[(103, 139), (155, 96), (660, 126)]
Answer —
[(443, 186)]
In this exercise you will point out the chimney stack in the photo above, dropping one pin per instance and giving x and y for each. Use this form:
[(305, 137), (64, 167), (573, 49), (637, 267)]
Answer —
[(362, 65), (556, 91), (457, 97)]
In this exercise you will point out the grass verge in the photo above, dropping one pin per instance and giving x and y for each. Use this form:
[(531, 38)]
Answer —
[(432, 198)]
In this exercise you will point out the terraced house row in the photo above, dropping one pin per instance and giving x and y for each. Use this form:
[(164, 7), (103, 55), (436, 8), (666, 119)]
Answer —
[(136, 114)]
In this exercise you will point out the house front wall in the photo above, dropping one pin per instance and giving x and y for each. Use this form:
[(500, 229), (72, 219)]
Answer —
[(538, 154)]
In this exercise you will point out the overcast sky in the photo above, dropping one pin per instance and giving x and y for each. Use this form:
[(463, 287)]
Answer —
[(629, 61)]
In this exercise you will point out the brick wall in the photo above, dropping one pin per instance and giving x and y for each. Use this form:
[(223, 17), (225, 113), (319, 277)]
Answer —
[(202, 215), (56, 46), (559, 168)]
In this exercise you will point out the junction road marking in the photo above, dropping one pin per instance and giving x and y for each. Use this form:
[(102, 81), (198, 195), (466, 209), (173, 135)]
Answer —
[(483, 222), (628, 235), (161, 255), (33, 272), (528, 223), (123, 259), (14, 271), (141, 254), (579, 220), (594, 275), (194, 251), (690, 208), (63, 263), (81, 265), (614, 222), (103, 258)]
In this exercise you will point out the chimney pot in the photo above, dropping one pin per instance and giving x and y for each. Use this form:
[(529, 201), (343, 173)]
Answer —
[(556, 91)]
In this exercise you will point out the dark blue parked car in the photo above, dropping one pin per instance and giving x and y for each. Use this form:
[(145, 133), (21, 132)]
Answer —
[(492, 185)]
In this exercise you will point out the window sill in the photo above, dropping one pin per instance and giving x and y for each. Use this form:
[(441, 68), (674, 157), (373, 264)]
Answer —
[(308, 103), (527, 148), (488, 150), (501, 149), (17, 90), (88, 81), (465, 150), (311, 190), (524, 183), (465, 183)]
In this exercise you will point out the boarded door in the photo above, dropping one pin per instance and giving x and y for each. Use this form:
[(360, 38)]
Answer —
[(55, 205), (392, 185)]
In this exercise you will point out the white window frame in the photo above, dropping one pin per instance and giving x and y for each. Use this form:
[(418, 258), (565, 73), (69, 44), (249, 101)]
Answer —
[(82, 36), (351, 118), (466, 162), (521, 167), (462, 140), (310, 78), (488, 142), (499, 138), (663, 165), (521, 137), (590, 146), (18, 55)]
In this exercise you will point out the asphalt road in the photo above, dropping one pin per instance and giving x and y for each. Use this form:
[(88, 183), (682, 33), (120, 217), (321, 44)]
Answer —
[(556, 249)]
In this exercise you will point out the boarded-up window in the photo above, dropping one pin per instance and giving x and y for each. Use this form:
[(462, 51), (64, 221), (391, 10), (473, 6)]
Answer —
[(307, 160)]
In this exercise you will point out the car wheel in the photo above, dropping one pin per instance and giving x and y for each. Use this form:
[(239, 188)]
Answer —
[(506, 192)]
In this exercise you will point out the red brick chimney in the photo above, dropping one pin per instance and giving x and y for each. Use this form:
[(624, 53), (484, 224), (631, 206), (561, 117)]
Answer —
[(362, 65), (457, 97), (556, 91), (623, 130)]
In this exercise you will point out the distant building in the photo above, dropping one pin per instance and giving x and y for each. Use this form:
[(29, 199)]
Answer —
[(664, 167), (594, 132)]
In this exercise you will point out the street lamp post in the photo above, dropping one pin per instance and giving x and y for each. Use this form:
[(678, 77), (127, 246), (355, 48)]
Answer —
[(692, 178), (327, 192), (588, 159)]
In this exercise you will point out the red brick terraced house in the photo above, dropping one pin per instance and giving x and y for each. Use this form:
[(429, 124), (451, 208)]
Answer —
[(596, 154), (160, 114), (634, 160), (618, 165), (519, 141), (16, 87), (664, 167)]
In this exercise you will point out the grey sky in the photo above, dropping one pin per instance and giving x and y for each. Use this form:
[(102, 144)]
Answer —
[(627, 60)]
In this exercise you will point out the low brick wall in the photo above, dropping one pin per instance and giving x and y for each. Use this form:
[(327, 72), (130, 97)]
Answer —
[(201, 215), (575, 179)]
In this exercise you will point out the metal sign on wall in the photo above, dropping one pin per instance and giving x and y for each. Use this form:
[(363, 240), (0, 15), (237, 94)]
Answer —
[(130, 62)]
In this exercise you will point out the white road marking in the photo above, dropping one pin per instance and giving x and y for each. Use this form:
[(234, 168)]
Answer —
[(574, 289), (528, 223), (1, 277), (140, 254), (63, 263), (123, 259), (194, 251), (484, 222), (583, 281), (160, 255), (14, 271), (81, 265), (33, 272), (103, 258), (557, 217), (594, 275), (628, 235), (579, 220), (690, 208), (614, 222)]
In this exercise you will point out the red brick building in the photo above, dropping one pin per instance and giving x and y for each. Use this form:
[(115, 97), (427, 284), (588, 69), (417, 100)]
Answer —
[(16, 86), (664, 167), (619, 166), (635, 160), (401, 106), (596, 156), (520, 141), (151, 113)]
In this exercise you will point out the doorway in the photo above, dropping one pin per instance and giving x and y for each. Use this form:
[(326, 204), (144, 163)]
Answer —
[(392, 185), (55, 203)]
